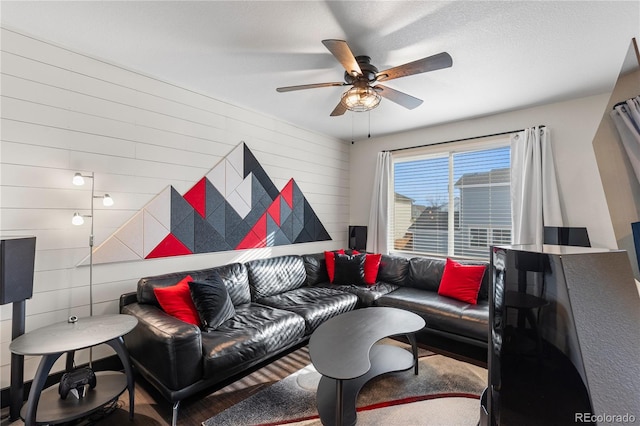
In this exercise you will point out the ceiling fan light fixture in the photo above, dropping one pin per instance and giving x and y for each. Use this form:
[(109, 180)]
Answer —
[(360, 99)]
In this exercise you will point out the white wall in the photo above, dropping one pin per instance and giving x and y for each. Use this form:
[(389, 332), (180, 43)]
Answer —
[(572, 125), (64, 112)]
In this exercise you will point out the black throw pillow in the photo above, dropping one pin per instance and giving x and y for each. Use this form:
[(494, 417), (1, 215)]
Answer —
[(212, 302), (349, 269)]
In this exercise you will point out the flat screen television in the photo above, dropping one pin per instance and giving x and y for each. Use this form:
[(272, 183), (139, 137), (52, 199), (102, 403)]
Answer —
[(566, 236)]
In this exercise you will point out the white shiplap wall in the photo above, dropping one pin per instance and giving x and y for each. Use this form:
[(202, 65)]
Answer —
[(64, 112)]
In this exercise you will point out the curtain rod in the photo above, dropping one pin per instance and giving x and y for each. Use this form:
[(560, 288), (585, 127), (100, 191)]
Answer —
[(459, 140)]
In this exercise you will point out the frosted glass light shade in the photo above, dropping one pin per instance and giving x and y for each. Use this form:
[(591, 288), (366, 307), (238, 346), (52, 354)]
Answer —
[(78, 179), (77, 219), (107, 201), (360, 99)]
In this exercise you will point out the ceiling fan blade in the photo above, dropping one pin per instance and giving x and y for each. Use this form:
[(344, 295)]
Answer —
[(398, 97), (340, 49), (308, 86), (431, 63), (338, 110)]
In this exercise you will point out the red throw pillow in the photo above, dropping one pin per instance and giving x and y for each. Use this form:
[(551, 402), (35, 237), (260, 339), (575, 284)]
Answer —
[(371, 266), (461, 282), (176, 301), (330, 259)]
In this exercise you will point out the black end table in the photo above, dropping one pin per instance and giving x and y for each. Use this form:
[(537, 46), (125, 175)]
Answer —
[(343, 349), (51, 342)]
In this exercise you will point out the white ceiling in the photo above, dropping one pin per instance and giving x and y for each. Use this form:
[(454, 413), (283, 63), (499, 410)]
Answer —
[(506, 55)]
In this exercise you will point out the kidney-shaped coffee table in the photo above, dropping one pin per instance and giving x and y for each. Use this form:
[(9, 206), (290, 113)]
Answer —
[(343, 349)]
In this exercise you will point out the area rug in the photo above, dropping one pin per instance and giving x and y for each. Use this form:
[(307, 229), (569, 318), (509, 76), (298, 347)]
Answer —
[(444, 386)]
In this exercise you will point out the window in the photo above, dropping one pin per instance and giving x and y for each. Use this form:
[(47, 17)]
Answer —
[(478, 237), (452, 199)]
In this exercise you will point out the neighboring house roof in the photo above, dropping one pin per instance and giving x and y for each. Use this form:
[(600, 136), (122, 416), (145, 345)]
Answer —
[(491, 177), (400, 197), (433, 219)]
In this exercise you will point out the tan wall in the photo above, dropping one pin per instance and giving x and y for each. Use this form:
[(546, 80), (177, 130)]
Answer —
[(621, 187)]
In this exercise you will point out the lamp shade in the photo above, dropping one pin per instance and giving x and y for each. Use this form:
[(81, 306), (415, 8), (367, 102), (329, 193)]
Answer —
[(78, 179), (77, 219), (360, 99), (107, 200)]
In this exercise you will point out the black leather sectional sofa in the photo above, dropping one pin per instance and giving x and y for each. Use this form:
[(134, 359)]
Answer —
[(278, 303)]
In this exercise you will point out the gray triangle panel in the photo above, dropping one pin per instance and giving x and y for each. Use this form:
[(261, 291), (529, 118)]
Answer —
[(321, 233), (180, 208), (286, 227), (184, 231), (285, 210), (280, 239), (206, 238), (303, 237), (272, 228), (257, 191), (237, 233), (297, 226), (213, 198), (232, 219), (251, 165), (217, 219)]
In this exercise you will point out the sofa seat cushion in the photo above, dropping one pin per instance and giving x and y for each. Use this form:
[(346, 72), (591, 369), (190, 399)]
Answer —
[(255, 332), (367, 294), (314, 304), (442, 313)]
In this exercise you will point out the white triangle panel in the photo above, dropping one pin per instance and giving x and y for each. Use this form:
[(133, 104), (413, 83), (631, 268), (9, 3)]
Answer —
[(232, 180), (238, 204), (236, 159), (160, 207), (217, 176), (131, 234), (113, 250), (244, 190), (154, 233)]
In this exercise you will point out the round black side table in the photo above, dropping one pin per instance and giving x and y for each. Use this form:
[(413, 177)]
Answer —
[(51, 342)]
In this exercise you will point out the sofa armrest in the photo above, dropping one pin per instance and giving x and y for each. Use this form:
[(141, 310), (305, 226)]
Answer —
[(127, 299), (169, 349)]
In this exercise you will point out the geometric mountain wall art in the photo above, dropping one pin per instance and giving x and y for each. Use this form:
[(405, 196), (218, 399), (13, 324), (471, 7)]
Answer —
[(234, 206)]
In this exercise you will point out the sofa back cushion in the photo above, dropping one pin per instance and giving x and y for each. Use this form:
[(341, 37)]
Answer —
[(426, 272), (315, 266), (393, 269), (234, 276), (275, 275)]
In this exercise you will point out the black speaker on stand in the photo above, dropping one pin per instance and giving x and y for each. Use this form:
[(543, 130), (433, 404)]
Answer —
[(17, 256), (358, 238)]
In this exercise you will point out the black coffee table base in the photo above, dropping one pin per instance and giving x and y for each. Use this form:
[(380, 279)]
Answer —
[(332, 393)]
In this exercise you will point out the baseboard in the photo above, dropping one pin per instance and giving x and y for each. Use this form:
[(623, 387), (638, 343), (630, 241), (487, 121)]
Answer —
[(111, 363)]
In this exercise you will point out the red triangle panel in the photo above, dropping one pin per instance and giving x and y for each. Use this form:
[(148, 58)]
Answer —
[(196, 196), (287, 193), (257, 236), (274, 210), (170, 246)]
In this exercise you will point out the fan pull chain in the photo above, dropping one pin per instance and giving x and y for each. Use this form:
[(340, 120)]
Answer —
[(369, 135), (352, 128)]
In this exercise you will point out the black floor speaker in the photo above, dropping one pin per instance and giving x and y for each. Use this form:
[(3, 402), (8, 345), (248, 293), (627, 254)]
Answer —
[(357, 237)]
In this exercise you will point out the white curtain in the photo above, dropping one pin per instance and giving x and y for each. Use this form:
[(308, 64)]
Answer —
[(377, 238), (626, 118), (534, 191)]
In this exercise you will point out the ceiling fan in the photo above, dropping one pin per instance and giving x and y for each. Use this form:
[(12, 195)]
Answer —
[(361, 74)]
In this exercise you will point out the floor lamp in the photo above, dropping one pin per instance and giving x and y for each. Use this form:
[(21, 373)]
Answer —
[(78, 219)]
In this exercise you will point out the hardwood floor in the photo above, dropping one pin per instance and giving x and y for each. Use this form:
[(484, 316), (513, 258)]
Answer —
[(151, 409)]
